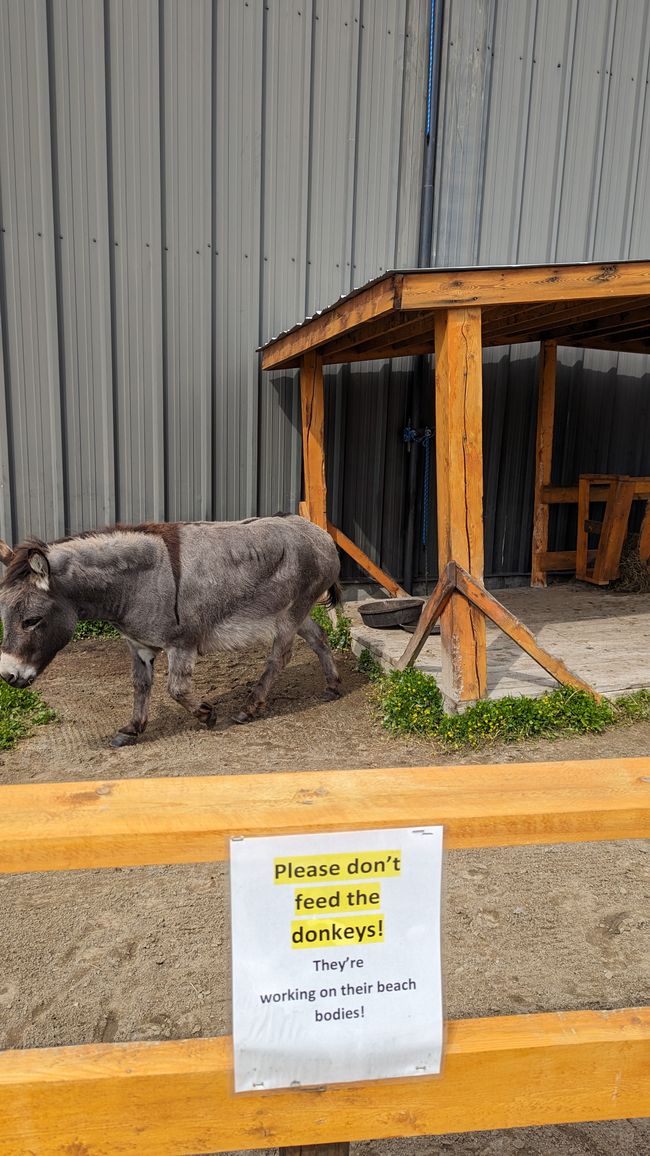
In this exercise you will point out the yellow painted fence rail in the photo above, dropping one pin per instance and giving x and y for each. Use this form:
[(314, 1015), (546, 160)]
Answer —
[(173, 1098), (138, 822)]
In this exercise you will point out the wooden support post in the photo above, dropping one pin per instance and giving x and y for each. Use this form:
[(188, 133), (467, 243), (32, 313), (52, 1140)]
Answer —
[(459, 472), (582, 541), (543, 458), (312, 401), (644, 536), (614, 532), (612, 529)]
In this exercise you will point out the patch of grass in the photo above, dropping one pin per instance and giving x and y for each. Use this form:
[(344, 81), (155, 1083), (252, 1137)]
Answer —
[(633, 707), (338, 636), (20, 712), (95, 630), (367, 664), (410, 702), (559, 712)]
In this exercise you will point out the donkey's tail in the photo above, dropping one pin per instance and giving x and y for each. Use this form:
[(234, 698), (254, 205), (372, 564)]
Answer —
[(334, 596)]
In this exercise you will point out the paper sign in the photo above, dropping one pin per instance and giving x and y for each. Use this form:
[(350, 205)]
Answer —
[(336, 957)]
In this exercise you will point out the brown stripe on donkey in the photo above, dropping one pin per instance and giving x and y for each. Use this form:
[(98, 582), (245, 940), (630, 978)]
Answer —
[(186, 588)]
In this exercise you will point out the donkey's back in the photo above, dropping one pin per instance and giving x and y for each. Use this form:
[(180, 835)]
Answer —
[(238, 581)]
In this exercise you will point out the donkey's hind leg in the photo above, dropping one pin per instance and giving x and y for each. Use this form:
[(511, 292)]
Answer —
[(315, 636), (278, 659), (143, 658), (179, 684)]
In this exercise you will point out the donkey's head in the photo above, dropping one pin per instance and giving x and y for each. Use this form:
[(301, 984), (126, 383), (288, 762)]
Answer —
[(37, 619)]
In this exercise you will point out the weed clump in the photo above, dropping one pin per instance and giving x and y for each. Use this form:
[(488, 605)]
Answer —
[(20, 712), (409, 702), (338, 636)]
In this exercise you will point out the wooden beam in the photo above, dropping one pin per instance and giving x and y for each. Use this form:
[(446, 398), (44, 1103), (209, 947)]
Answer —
[(344, 543), (618, 324), (384, 330), (374, 301), (429, 615), (437, 289), (410, 348), (543, 457), (176, 1098), (313, 438), (566, 495), (459, 474), (561, 561), (607, 346), (487, 603), (139, 822), (552, 319)]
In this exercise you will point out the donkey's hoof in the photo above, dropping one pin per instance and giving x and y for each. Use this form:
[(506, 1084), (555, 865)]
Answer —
[(331, 694), (207, 715), (247, 714), (124, 739)]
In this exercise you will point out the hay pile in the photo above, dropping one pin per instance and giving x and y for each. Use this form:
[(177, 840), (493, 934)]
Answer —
[(634, 575)]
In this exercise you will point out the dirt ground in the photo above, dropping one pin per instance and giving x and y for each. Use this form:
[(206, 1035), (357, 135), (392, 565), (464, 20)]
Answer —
[(145, 954)]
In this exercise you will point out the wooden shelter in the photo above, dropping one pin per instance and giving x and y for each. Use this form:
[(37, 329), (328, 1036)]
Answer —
[(454, 314)]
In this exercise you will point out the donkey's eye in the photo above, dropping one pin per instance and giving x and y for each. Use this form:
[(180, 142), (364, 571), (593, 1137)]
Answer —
[(29, 623)]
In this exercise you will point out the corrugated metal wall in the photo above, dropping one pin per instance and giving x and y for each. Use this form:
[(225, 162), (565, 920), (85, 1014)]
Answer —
[(178, 180), (181, 180)]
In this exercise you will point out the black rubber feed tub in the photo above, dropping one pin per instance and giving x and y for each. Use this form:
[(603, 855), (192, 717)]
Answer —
[(393, 614)]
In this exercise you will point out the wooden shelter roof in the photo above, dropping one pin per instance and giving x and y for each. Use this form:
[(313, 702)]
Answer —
[(595, 306)]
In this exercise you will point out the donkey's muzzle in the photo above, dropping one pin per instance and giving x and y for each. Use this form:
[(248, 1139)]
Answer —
[(16, 680)]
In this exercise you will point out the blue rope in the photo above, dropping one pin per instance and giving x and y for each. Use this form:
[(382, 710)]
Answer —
[(411, 437), (430, 80)]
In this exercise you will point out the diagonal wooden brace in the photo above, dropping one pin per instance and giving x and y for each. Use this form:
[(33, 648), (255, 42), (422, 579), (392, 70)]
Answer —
[(455, 578), (501, 617), (431, 612)]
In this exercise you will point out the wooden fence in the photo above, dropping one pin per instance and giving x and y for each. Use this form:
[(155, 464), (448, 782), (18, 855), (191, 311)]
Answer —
[(176, 1097)]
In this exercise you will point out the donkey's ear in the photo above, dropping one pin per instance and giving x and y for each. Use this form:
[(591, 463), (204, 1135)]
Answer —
[(40, 567), (6, 553)]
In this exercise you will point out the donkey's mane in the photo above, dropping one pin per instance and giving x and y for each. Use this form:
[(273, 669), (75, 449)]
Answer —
[(19, 568)]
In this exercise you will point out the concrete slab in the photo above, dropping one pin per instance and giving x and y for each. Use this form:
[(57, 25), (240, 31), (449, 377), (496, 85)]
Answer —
[(602, 636)]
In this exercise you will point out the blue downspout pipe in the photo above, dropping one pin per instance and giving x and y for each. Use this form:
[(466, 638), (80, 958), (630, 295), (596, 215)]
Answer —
[(421, 373)]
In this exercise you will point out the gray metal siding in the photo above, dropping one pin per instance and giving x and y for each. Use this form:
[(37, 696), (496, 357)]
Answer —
[(181, 180), (81, 246), (28, 280), (134, 149), (543, 156)]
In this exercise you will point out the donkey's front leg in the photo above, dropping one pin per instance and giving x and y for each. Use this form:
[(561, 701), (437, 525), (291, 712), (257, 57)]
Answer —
[(179, 685), (143, 659)]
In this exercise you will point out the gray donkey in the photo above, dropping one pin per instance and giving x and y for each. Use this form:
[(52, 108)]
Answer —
[(186, 588)]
